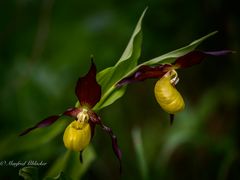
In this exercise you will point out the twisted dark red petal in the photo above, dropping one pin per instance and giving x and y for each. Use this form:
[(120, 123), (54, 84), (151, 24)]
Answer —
[(46, 122), (94, 119), (196, 57), (115, 147), (87, 89), (145, 72), (188, 60), (72, 112)]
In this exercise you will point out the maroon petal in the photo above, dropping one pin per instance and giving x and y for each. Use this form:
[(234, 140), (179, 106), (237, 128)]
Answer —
[(87, 89), (196, 57), (145, 72), (46, 122), (94, 118), (115, 147), (72, 112)]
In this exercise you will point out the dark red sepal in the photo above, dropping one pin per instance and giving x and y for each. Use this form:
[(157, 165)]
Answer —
[(115, 147), (145, 72), (72, 112), (87, 89), (196, 57)]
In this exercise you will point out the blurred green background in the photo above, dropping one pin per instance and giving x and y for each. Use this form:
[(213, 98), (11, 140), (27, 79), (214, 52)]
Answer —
[(46, 45)]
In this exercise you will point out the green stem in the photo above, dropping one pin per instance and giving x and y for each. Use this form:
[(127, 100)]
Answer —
[(104, 98), (138, 146)]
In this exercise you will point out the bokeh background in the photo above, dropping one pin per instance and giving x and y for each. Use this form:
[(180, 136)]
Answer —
[(45, 46)]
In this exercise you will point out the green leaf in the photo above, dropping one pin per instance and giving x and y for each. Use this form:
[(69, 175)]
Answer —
[(116, 94), (110, 76), (138, 146), (171, 56), (61, 176), (29, 173), (70, 164), (27, 143)]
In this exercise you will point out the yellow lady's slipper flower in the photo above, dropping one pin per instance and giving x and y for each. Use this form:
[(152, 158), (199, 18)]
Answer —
[(165, 92), (79, 133), (167, 95)]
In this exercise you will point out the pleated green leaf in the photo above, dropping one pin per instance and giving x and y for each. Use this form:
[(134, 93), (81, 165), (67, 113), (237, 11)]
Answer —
[(129, 59)]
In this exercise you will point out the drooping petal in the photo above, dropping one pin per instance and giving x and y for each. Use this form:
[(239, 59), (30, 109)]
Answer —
[(72, 112), (145, 72), (117, 151), (87, 89), (94, 118), (196, 57), (115, 147)]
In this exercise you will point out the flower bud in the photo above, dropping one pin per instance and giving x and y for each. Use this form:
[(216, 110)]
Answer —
[(167, 95), (77, 136)]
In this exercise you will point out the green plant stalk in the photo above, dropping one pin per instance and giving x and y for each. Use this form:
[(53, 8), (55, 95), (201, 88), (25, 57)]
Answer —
[(138, 146), (104, 98)]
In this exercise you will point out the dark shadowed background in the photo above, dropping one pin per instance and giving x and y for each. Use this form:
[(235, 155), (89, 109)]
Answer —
[(45, 46)]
